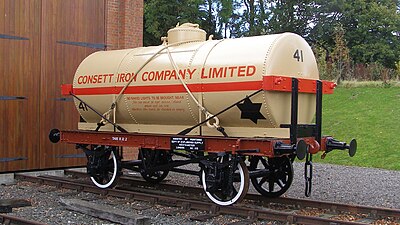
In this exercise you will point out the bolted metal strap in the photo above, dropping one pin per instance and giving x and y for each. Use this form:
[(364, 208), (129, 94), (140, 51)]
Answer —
[(5, 98), (84, 44), (11, 37), (12, 159), (62, 99), (71, 156)]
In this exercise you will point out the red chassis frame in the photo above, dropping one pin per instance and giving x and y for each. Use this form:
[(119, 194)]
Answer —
[(248, 146)]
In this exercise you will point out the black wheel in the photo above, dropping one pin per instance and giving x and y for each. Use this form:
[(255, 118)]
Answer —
[(225, 181), (278, 175), (151, 158), (104, 167)]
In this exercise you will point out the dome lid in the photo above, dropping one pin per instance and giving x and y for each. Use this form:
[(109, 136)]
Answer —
[(186, 32)]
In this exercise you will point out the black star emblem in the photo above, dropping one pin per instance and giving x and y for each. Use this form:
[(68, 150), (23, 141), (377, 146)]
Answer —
[(250, 110)]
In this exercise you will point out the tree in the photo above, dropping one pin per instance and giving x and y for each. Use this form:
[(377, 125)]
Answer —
[(274, 16), (219, 14), (371, 28), (213, 16), (291, 16), (162, 15), (375, 39), (340, 55)]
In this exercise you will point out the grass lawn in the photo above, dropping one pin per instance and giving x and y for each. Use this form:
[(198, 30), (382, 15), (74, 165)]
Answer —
[(372, 116)]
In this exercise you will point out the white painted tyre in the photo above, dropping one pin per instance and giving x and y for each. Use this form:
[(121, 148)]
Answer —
[(241, 188), (112, 175)]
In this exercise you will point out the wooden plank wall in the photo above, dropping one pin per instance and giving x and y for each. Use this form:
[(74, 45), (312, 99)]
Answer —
[(19, 70), (67, 22), (34, 68)]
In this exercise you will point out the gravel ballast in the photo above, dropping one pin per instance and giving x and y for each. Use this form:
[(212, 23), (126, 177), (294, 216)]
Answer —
[(350, 185), (343, 184)]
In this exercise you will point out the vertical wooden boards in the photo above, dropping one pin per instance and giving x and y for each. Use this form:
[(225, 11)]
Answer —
[(33, 65), (63, 24), (19, 70)]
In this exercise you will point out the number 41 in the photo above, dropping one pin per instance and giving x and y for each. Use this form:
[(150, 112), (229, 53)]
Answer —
[(298, 54), (83, 106)]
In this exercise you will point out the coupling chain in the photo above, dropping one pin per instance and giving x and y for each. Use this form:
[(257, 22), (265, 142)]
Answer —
[(308, 167)]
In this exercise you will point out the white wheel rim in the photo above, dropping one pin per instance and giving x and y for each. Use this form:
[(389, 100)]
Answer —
[(114, 176), (233, 200)]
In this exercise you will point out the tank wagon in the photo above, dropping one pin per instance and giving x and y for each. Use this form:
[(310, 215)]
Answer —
[(241, 109)]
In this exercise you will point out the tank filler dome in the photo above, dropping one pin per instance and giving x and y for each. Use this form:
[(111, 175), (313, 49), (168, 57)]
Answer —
[(186, 32)]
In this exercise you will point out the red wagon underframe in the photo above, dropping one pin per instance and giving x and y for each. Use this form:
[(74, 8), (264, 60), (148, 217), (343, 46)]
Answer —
[(308, 134), (217, 172)]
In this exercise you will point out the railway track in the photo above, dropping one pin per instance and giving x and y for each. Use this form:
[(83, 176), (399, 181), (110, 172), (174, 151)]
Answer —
[(11, 220), (250, 210), (374, 212)]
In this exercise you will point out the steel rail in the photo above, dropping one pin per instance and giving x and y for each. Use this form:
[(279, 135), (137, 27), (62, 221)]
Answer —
[(7, 219), (375, 212), (187, 204)]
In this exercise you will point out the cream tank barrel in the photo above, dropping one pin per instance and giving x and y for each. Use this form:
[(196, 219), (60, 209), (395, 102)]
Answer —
[(172, 85)]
